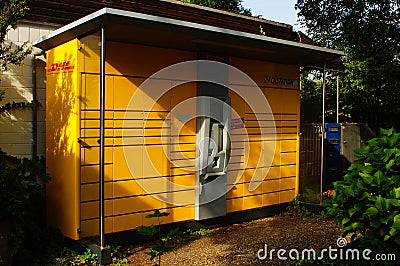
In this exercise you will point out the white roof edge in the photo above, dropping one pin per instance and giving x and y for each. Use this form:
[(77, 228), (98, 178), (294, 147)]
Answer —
[(130, 14)]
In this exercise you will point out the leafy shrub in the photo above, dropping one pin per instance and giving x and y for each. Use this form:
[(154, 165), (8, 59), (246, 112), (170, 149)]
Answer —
[(366, 202), (22, 205)]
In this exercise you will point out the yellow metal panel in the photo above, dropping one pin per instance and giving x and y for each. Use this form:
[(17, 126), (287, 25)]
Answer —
[(62, 131), (237, 103), (236, 191), (271, 186), (287, 183), (234, 205), (91, 227), (274, 97), (90, 51), (155, 185), (234, 177), (180, 198), (155, 162), (127, 188), (252, 202), (91, 191), (184, 154), (249, 174), (258, 190), (90, 98), (288, 158), (139, 60), (257, 70), (179, 214), (287, 196), (270, 199), (182, 171), (124, 88), (288, 170), (127, 222), (255, 154), (90, 173), (133, 155), (273, 172), (288, 145), (136, 204), (91, 156), (90, 210), (291, 101), (185, 180)]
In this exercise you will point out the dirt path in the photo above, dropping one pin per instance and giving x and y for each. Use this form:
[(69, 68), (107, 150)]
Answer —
[(239, 244)]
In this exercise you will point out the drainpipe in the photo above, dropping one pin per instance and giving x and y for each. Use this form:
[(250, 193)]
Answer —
[(103, 252), (337, 97), (323, 132), (102, 118), (35, 105)]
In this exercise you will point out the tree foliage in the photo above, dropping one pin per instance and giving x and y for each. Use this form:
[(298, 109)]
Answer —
[(369, 33), (10, 53), (228, 5), (11, 12)]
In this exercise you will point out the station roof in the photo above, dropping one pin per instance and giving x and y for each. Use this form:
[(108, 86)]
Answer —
[(138, 28)]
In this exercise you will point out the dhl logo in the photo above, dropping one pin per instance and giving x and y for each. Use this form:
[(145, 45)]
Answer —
[(62, 66)]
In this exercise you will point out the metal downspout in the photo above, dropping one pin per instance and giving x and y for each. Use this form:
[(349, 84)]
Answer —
[(35, 103), (34, 110), (323, 132), (102, 117), (337, 97)]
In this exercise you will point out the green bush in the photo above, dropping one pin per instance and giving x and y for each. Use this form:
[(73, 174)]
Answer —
[(367, 201), (22, 205)]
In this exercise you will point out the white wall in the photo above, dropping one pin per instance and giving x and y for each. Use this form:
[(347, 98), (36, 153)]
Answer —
[(16, 125)]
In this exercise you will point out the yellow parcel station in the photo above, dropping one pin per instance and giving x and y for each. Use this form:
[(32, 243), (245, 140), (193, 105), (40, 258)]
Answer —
[(134, 123)]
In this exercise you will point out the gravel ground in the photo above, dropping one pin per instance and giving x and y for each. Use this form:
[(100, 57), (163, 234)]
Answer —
[(238, 244)]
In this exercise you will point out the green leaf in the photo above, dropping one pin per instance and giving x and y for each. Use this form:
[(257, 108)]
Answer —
[(356, 225), (394, 140), (397, 193), (348, 191), (386, 238), (156, 214), (395, 202), (367, 178), (397, 218), (380, 203), (371, 211), (378, 176), (345, 220), (396, 225), (390, 164), (359, 153), (393, 232), (351, 212)]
